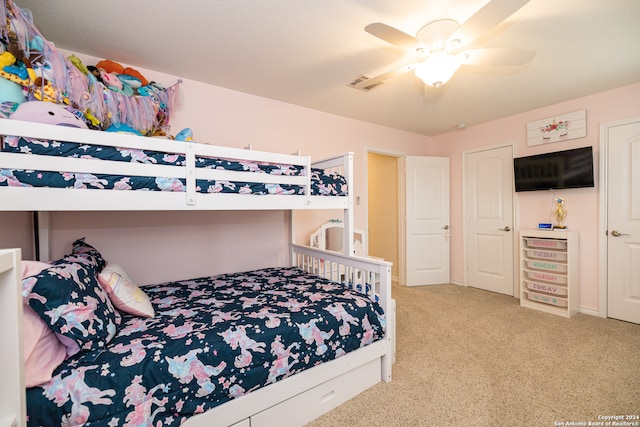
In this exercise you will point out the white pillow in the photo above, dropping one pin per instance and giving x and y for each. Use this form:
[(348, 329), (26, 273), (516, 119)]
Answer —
[(124, 294)]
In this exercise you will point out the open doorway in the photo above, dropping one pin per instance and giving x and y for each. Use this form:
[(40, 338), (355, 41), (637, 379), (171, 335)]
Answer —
[(383, 201), (408, 219)]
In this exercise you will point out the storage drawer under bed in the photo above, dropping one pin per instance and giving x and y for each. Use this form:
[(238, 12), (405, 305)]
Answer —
[(318, 400)]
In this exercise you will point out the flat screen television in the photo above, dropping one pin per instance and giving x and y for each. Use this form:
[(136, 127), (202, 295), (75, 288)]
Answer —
[(557, 170)]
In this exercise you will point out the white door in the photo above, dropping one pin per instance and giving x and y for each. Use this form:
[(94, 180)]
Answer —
[(427, 220), (489, 220), (623, 222)]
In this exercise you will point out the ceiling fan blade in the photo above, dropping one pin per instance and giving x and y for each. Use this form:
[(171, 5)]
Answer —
[(393, 36), (499, 57), (367, 83), (486, 18)]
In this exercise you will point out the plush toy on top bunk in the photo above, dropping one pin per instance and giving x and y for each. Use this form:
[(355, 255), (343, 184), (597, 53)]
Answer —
[(107, 94), (47, 112)]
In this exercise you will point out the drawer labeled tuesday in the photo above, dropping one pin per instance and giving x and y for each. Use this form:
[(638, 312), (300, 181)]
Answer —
[(544, 254)]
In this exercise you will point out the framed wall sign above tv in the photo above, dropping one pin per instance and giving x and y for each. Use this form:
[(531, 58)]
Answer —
[(553, 171), (557, 128)]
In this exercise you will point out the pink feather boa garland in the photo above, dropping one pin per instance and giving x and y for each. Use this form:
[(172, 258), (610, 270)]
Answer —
[(147, 109)]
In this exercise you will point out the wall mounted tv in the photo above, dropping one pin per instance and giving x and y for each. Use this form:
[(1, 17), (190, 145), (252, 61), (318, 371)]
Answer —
[(557, 170)]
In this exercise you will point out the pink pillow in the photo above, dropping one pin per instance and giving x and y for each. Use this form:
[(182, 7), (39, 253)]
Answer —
[(124, 294), (43, 352), (33, 268)]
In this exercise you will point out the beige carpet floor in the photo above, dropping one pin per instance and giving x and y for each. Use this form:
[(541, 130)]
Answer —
[(467, 357)]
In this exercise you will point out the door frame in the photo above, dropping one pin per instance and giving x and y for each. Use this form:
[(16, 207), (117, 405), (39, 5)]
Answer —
[(401, 199), (603, 304), (465, 216)]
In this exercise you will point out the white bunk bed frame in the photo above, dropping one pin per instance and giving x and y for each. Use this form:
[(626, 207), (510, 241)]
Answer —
[(297, 399)]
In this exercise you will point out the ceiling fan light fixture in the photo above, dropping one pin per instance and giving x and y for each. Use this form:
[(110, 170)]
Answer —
[(437, 69), (452, 44)]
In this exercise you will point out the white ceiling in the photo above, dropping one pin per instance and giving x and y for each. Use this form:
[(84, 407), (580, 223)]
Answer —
[(305, 52)]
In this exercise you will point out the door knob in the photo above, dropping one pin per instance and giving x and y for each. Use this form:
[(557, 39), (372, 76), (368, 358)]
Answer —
[(616, 233), (507, 228), (446, 227)]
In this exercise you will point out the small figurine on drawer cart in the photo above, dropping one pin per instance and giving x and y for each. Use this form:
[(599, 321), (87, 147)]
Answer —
[(559, 212)]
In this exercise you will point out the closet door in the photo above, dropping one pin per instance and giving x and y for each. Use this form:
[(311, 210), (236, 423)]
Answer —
[(623, 214), (489, 239)]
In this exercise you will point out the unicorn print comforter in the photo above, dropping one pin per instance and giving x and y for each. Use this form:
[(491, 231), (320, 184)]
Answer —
[(323, 183), (212, 339)]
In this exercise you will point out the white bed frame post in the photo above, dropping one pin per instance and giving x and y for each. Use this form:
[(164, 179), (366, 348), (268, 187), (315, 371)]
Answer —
[(12, 393), (43, 228), (389, 307), (347, 235)]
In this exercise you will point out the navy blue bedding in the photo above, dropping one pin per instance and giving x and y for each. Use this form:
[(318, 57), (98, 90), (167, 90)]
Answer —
[(322, 183), (211, 340)]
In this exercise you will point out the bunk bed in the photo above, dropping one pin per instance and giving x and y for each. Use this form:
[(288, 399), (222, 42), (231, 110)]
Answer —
[(294, 399)]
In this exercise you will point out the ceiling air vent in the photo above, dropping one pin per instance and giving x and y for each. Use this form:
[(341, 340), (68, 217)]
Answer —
[(362, 83)]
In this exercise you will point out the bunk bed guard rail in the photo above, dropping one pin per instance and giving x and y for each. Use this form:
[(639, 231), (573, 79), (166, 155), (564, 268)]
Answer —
[(61, 199)]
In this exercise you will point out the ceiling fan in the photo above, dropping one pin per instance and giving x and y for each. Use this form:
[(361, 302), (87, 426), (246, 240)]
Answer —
[(443, 46)]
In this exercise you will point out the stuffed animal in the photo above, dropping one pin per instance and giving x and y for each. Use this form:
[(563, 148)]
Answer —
[(123, 128), (7, 58), (185, 134), (110, 66), (111, 80), (135, 73), (115, 68), (78, 64), (47, 112), (94, 72), (11, 92), (130, 81), (43, 70), (19, 69)]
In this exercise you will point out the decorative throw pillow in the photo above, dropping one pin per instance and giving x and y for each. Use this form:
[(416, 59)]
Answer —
[(124, 294), (43, 352), (68, 297), (84, 253)]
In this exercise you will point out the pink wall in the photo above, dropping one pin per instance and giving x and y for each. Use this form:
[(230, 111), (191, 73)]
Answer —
[(155, 247), (15, 232), (534, 207)]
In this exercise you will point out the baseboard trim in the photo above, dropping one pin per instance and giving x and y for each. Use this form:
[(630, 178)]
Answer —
[(590, 311), (457, 282)]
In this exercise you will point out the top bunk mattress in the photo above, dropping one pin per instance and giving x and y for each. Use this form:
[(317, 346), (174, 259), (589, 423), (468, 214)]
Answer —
[(323, 183)]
